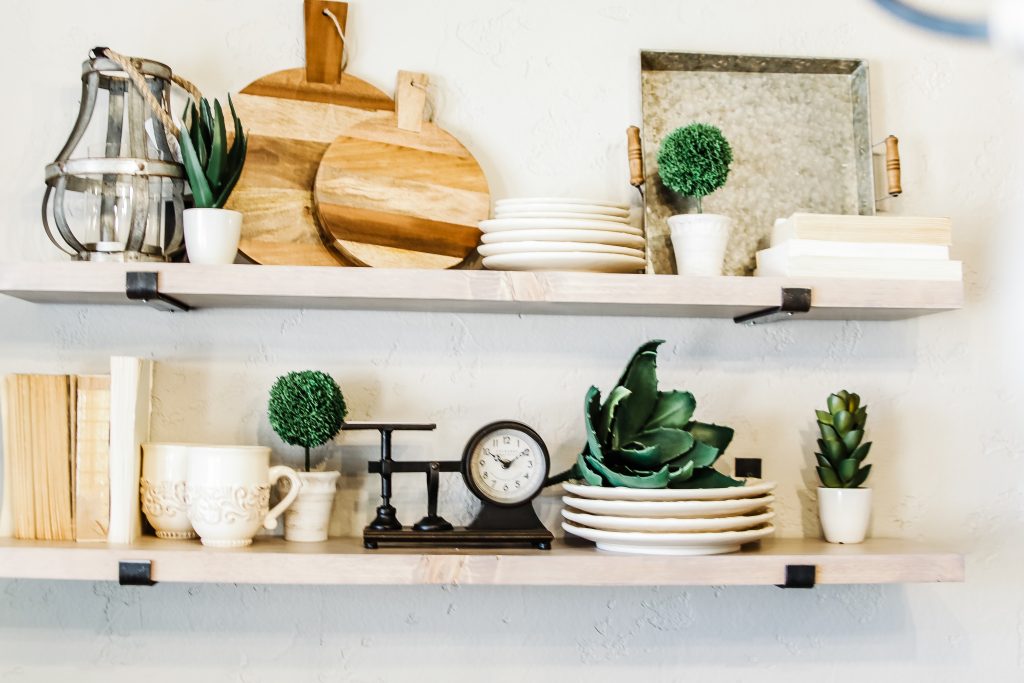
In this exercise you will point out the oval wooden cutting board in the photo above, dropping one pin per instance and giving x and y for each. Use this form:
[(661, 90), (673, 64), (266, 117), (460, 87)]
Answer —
[(391, 198), (291, 123)]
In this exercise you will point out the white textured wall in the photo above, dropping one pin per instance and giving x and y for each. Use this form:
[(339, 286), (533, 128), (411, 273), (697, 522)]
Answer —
[(541, 91)]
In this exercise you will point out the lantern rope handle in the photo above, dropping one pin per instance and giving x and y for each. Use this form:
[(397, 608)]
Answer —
[(139, 81)]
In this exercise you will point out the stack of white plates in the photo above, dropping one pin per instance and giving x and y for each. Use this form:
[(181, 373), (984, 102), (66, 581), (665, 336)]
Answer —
[(670, 521), (545, 233)]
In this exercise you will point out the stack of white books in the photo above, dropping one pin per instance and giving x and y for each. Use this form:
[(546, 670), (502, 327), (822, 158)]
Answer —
[(876, 247)]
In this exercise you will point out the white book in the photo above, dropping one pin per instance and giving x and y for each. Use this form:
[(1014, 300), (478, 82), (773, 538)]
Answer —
[(131, 381), (880, 250), (779, 265)]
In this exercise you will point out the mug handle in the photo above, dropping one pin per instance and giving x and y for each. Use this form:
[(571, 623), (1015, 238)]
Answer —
[(277, 472)]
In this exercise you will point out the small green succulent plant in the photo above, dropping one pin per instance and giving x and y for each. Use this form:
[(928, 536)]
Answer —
[(641, 437), (213, 169), (694, 161), (306, 409), (841, 453)]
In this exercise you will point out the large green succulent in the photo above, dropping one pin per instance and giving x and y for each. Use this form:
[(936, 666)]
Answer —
[(213, 169), (641, 437), (841, 451)]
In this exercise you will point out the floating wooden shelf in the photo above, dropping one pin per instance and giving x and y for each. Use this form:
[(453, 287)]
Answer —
[(243, 286), (345, 562)]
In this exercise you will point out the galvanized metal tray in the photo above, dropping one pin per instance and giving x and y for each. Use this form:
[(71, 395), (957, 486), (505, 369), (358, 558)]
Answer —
[(799, 130)]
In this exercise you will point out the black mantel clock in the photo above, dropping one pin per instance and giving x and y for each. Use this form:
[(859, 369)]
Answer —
[(504, 465)]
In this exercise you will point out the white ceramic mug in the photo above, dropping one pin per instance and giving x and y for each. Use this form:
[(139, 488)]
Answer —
[(164, 472), (212, 235), (699, 241), (229, 493)]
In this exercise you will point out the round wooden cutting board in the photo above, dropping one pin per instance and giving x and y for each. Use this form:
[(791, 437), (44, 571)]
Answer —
[(391, 198), (291, 123)]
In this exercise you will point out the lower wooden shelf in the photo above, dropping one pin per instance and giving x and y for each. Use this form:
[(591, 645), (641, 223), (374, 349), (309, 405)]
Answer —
[(345, 562)]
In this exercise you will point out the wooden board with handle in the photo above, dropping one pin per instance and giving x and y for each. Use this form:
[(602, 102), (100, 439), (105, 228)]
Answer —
[(399, 192), (275, 191)]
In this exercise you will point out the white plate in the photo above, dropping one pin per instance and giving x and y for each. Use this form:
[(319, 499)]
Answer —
[(521, 247), (549, 207), (620, 239), (516, 201), (499, 213), (591, 262), (707, 543), (503, 224), (754, 487), (662, 509), (668, 525)]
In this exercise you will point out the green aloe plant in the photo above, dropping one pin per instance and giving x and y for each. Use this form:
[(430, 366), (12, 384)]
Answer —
[(640, 437), (212, 168), (841, 451)]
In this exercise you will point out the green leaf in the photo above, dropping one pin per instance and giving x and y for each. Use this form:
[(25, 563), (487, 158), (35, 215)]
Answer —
[(236, 157), (641, 378), (588, 475), (822, 460), (218, 149), (592, 408), (672, 409), (639, 456), (206, 119), (829, 478), (707, 478), (711, 434), (861, 452), (608, 410), (657, 480), (196, 176), (236, 173), (847, 469), (702, 454), (852, 439), (680, 474), (853, 403), (836, 403), (833, 450), (824, 417), (861, 416), (828, 433), (842, 421), (671, 443), (861, 476)]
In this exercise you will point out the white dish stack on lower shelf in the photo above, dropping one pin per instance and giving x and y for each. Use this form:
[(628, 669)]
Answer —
[(543, 233), (670, 521)]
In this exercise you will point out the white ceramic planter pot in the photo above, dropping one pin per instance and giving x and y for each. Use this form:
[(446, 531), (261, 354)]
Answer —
[(844, 513), (212, 235), (309, 516), (699, 241)]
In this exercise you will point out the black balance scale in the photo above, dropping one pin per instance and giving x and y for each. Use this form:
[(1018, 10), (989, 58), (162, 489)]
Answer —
[(504, 465)]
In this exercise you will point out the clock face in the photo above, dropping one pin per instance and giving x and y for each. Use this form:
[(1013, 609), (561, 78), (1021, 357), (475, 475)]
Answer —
[(506, 464)]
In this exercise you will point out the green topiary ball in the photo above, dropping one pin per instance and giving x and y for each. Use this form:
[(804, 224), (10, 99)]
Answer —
[(694, 160), (306, 408)]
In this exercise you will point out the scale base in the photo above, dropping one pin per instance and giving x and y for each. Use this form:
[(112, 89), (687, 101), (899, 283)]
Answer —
[(460, 537)]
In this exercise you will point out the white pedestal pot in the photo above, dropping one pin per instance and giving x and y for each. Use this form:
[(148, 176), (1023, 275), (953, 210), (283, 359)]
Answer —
[(699, 241), (309, 516), (212, 235), (844, 513)]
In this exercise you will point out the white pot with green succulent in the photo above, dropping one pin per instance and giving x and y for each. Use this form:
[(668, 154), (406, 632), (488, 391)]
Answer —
[(844, 503), (694, 162), (212, 233)]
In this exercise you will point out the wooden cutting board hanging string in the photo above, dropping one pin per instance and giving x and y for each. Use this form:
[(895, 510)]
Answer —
[(408, 195), (292, 117)]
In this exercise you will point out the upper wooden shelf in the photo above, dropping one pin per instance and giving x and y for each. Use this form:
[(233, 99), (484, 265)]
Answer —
[(245, 286), (345, 562)]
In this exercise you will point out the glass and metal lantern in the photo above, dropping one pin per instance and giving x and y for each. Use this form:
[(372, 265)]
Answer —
[(115, 191)]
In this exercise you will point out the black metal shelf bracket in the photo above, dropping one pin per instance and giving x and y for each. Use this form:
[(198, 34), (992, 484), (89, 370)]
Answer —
[(135, 573), (795, 300), (142, 286), (800, 576)]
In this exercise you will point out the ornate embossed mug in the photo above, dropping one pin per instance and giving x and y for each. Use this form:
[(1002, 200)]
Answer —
[(228, 493), (164, 470)]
